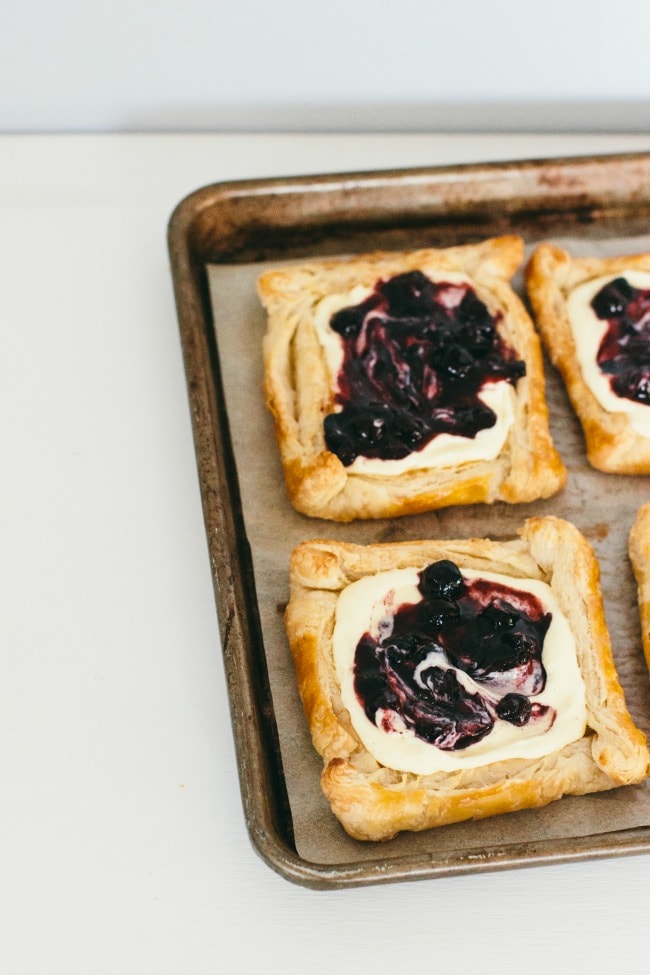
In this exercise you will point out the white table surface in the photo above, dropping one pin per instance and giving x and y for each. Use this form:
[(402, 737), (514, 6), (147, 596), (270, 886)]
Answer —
[(123, 845)]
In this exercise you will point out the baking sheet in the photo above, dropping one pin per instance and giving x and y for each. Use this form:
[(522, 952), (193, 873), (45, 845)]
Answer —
[(602, 506)]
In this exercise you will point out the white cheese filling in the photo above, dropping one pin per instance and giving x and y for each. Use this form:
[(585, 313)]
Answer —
[(369, 605), (444, 450), (588, 333)]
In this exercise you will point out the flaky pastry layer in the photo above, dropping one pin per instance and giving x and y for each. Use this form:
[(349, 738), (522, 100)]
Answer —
[(613, 445), (639, 548), (299, 395), (374, 802)]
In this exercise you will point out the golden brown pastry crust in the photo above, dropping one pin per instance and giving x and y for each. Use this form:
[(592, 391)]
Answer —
[(374, 802), (639, 548), (298, 391), (613, 445)]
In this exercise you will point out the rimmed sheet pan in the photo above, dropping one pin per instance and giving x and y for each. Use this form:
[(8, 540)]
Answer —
[(220, 238)]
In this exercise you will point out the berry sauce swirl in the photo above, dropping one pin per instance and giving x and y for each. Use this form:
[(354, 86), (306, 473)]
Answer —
[(624, 352), (480, 629), (416, 354)]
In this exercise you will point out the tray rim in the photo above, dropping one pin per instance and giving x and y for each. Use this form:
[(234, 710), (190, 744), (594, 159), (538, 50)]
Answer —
[(263, 792)]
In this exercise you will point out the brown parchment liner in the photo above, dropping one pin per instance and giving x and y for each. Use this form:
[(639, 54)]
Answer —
[(602, 506)]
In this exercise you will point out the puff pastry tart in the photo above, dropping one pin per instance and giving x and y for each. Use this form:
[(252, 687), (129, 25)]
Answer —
[(639, 547), (594, 317), (403, 382), (445, 681)]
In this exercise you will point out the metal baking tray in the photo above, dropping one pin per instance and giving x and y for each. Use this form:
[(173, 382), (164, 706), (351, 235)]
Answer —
[(278, 219)]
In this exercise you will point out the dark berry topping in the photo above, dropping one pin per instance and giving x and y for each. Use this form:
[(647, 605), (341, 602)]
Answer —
[(498, 618), (624, 353), (347, 322), (519, 650), (490, 632), (409, 294), (612, 300), (633, 384), (441, 611), (416, 354), (456, 361), (473, 314), (442, 579), (515, 708), (449, 716)]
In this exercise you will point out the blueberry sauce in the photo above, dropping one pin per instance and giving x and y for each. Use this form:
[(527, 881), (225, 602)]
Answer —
[(415, 356), (488, 631), (624, 353)]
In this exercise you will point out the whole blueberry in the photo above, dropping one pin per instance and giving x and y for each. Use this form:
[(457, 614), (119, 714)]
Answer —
[(442, 579), (515, 708), (613, 299)]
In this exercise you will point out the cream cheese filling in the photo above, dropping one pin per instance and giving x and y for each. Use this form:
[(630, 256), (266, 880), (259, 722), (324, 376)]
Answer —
[(369, 604), (588, 332), (444, 450)]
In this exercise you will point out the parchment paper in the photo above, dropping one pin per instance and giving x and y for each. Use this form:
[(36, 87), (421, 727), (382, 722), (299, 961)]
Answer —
[(602, 506)]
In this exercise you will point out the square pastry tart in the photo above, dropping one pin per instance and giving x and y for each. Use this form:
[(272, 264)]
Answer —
[(453, 680), (594, 317), (639, 548), (404, 382)]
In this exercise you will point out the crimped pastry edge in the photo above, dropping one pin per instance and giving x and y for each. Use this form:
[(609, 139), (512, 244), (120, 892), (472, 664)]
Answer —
[(373, 802)]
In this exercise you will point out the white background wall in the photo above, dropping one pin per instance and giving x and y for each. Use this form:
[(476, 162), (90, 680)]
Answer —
[(125, 65)]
